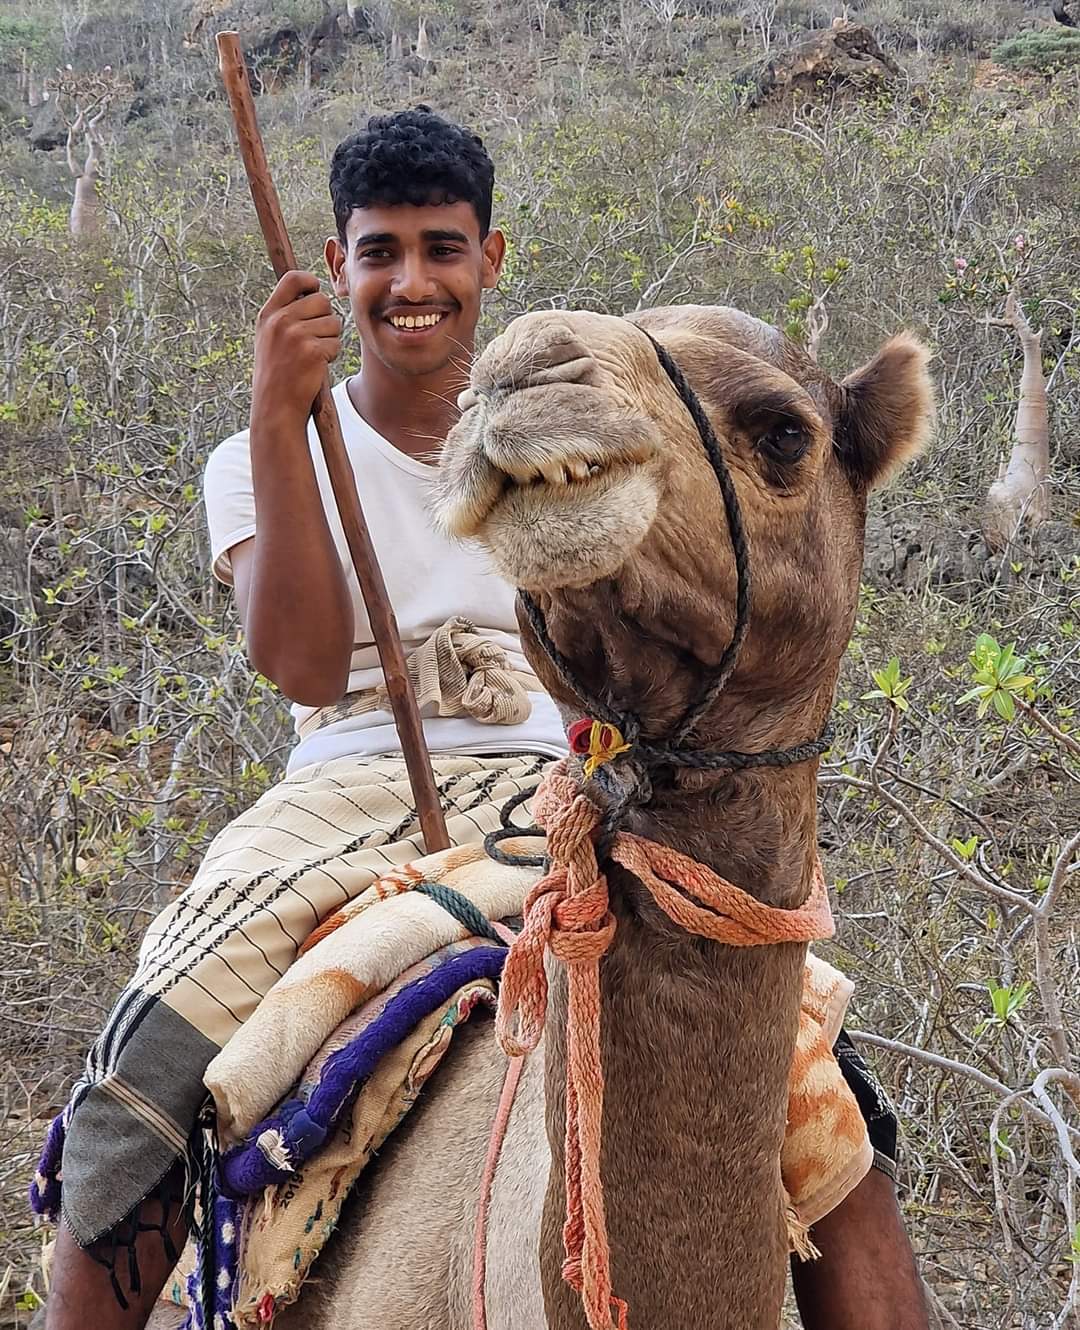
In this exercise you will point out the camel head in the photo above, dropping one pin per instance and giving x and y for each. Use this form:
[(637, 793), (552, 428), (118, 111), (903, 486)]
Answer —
[(579, 467)]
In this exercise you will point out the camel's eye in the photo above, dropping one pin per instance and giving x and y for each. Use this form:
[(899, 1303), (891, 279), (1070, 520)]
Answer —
[(784, 442), (780, 425)]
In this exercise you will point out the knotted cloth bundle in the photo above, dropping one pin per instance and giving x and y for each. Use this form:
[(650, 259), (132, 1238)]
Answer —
[(455, 672)]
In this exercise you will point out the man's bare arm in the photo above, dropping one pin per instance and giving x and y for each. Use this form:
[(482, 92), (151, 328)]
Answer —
[(290, 585)]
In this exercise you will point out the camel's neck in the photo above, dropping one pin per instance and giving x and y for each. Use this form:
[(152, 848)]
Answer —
[(758, 829), (697, 1042)]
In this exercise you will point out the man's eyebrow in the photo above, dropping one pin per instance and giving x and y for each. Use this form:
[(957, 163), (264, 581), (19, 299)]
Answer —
[(431, 237)]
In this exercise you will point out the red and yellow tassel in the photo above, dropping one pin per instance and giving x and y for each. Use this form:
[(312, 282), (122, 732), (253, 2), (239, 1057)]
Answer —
[(597, 742)]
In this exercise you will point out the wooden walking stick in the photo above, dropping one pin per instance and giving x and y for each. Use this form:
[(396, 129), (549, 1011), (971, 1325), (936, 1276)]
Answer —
[(380, 612)]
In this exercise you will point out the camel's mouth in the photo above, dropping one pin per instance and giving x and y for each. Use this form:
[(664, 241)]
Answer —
[(546, 535), (560, 481), (551, 515), (554, 465), (565, 471)]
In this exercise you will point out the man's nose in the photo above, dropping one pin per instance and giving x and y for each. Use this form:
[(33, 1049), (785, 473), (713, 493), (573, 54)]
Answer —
[(413, 281)]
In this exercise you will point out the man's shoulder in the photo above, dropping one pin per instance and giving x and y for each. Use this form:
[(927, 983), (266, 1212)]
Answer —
[(238, 444), (230, 460), (228, 457)]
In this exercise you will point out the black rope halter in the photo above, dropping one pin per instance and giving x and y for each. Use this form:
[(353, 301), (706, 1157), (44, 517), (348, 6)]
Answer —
[(647, 756)]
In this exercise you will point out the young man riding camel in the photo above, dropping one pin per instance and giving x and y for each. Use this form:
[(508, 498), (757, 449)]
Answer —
[(413, 253)]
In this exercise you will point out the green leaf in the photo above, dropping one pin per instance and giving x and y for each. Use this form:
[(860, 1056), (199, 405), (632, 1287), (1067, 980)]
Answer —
[(965, 848), (1007, 1001), (1004, 705), (890, 685), (984, 645)]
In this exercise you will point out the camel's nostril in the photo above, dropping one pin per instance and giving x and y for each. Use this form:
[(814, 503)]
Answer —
[(535, 374), (531, 362)]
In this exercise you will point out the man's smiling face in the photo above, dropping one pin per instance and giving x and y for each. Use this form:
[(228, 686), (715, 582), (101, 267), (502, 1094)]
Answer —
[(413, 277)]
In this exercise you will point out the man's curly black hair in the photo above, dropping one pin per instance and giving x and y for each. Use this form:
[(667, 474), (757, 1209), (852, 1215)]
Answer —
[(411, 157)]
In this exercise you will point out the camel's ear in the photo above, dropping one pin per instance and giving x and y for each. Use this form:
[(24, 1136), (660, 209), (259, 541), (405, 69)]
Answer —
[(886, 410)]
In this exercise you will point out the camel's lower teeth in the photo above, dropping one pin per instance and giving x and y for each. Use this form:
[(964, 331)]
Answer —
[(563, 474)]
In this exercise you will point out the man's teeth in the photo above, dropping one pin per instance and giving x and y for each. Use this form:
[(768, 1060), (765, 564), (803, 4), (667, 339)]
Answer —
[(415, 320)]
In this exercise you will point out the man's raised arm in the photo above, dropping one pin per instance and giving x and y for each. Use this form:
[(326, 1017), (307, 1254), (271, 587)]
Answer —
[(290, 584)]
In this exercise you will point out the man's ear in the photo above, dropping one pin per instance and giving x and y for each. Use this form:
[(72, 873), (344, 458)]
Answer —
[(493, 247), (886, 411), (335, 255)]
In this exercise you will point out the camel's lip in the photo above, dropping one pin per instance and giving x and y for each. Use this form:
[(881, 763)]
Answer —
[(547, 534), (533, 460), (554, 483)]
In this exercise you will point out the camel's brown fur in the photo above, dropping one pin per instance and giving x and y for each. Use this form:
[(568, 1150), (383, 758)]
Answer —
[(634, 569)]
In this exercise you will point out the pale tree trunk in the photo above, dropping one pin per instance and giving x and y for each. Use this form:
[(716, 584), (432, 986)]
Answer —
[(35, 95), (1020, 496), (86, 206), (423, 42), (817, 325)]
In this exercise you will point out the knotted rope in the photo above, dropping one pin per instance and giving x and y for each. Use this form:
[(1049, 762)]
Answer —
[(568, 914)]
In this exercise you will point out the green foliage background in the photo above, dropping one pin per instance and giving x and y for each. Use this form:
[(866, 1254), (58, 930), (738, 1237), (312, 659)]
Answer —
[(1043, 51), (630, 173)]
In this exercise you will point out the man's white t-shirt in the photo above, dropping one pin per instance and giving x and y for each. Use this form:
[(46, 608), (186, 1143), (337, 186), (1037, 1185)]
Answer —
[(428, 577)]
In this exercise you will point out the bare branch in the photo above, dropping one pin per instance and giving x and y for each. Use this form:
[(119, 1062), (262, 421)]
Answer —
[(961, 1069)]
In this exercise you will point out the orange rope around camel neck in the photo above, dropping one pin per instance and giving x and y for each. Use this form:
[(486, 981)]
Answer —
[(568, 913)]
